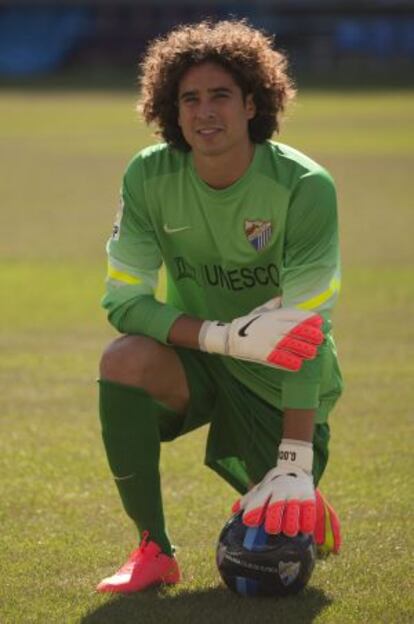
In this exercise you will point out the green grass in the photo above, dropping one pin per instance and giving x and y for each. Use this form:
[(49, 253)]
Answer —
[(62, 527)]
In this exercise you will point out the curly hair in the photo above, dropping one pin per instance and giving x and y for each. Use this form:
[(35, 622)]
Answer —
[(246, 53)]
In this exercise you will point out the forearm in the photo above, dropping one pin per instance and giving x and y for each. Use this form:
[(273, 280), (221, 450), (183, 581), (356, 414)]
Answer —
[(298, 424), (185, 332)]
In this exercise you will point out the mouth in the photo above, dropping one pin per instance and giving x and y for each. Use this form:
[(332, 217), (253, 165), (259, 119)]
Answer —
[(208, 132)]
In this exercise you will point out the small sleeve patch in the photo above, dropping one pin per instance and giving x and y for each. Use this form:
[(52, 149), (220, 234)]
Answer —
[(116, 230)]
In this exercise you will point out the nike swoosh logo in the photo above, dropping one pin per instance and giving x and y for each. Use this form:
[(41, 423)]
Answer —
[(242, 330), (169, 230)]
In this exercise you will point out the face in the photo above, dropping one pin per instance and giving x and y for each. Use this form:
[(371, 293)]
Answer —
[(212, 113)]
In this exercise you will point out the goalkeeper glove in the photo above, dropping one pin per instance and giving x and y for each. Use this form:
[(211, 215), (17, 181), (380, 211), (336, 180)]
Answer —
[(285, 498), (328, 528), (271, 335)]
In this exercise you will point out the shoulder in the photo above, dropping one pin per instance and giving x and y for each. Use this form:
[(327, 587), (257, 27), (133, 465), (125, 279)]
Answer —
[(154, 161), (293, 166)]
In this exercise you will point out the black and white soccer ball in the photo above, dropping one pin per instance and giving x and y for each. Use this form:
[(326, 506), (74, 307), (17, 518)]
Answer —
[(253, 563)]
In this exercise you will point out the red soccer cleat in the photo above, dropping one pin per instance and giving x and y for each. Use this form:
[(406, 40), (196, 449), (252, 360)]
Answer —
[(147, 566), (328, 529)]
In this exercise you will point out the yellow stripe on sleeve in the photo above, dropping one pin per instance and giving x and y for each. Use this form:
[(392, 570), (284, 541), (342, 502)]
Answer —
[(121, 276), (318, 300)]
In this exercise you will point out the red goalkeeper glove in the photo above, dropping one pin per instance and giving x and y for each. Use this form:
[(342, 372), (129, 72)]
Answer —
[(270, 335), (285, 498)]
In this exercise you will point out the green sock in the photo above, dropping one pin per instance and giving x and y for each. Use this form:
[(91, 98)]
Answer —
[(131, 436)]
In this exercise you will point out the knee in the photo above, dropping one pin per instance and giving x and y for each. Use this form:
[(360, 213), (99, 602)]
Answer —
[(129, 360)]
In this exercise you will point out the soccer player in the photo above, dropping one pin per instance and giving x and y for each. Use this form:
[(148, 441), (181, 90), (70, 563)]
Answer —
[(247, 231)]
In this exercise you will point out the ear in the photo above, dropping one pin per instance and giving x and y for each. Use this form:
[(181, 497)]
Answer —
[(250, 106)]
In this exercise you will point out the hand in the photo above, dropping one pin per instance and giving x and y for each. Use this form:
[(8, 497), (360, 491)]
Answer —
[(270, 335), (285, 498)]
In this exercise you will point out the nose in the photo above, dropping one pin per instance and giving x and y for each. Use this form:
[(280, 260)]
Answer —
[(205, 110)]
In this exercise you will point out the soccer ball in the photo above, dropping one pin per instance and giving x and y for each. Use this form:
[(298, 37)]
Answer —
[(253, 563)]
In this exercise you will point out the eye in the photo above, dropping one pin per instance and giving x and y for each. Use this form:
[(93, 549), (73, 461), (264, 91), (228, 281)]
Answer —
[(189, 99)]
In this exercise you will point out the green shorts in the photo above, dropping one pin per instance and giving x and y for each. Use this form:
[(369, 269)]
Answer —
[(244, 430)]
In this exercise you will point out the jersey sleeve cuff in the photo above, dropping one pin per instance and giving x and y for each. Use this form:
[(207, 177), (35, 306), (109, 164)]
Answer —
[(297, 395), (145, 316), (163, 320), (158, 323)]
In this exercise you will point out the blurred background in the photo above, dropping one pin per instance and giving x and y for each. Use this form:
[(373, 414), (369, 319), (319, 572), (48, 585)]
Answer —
[(336, 41)]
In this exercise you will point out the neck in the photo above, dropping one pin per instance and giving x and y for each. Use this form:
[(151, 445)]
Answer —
[(222, 170)]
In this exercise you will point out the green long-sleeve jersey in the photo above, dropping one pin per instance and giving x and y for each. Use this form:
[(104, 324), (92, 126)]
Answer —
[(274, 232)]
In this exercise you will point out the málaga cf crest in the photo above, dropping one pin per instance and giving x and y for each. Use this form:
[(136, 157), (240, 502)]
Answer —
[(258, 233)]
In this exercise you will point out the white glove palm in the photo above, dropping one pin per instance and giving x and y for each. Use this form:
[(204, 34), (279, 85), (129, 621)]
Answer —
[(278, 337), (285, 498)]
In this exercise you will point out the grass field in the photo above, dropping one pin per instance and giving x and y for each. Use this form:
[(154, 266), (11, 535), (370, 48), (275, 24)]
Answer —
[(62, 527)]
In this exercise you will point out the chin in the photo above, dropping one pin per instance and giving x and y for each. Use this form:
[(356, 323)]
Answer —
[(210, 150)]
